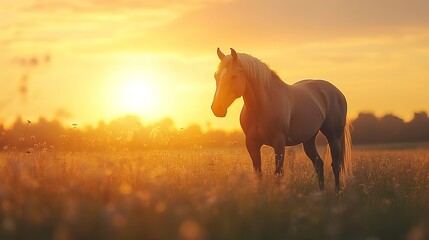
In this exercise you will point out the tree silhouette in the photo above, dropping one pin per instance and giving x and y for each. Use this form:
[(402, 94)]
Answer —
[(367, 128)]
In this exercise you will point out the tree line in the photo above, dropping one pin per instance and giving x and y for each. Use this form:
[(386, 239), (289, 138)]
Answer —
[(367, 129), (128, 132)]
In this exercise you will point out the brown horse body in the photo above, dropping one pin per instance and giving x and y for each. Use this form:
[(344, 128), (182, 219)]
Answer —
[(278, 115)]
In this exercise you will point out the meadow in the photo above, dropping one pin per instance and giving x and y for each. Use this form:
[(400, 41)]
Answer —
[(209, 193)]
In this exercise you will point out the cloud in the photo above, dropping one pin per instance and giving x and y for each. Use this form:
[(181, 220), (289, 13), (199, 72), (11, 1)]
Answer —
[(82, 6), (187, 24), (63, 23), (278, 23)]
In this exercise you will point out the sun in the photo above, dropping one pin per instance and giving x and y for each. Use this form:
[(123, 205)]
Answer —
[(133, 86), (134, 92), (136, 96)]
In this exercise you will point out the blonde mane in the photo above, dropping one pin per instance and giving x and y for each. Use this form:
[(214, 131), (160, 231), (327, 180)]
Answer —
[(255, 69)]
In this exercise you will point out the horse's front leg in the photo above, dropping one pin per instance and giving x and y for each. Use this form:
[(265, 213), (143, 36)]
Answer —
[(280, 157), (254, 149), (279, 150)]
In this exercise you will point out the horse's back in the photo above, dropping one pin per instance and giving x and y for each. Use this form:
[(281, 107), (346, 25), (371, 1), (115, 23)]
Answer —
[(332, 98), (311, 97), (323, 90), (320, 98), (317, 85)]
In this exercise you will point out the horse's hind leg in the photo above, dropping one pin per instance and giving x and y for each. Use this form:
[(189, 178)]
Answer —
[(333, 129), (311, 151), (335, 147)]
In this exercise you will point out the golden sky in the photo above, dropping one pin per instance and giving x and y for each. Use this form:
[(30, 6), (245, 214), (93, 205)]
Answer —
[(87, 60)]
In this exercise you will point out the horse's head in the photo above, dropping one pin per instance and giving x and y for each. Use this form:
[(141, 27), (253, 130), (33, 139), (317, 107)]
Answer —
[(230, 83)]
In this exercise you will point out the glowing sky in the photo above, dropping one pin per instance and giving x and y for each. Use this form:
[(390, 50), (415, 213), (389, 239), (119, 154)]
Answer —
[(87, 60)]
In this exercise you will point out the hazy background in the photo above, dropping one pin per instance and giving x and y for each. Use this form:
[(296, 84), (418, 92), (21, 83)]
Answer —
[(80, 61)]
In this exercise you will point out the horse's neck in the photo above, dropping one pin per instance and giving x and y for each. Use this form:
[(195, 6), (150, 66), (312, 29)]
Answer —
[(258, 98)]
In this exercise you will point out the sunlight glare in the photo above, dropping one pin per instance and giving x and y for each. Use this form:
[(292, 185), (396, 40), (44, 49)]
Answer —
[(134, 92), (136, 95)]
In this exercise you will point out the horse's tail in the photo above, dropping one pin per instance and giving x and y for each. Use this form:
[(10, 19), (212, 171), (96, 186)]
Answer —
[(346, 151)]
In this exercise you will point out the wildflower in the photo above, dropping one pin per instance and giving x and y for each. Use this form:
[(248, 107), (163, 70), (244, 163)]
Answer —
[(8, 225), (119, 220), (30, 150), (160, 207), (125, 189), (190, 230)]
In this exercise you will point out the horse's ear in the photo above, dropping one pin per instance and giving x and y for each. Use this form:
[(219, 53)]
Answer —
[(234, 54), (220, 54)]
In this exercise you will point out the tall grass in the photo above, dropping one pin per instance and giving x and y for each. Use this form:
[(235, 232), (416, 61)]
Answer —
[(209, 194)]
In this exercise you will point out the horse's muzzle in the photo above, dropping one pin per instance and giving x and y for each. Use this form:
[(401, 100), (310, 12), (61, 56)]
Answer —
[(218, 110)]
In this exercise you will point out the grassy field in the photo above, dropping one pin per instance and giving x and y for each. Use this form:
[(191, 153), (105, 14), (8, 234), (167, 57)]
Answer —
[(209, 194)]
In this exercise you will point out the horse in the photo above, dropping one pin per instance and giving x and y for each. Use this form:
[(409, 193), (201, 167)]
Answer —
[(279, 115)]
